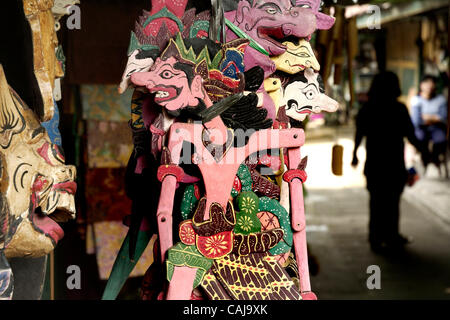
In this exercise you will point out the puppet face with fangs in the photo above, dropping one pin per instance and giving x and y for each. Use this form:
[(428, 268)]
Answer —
[(37, 188), (174, 84)]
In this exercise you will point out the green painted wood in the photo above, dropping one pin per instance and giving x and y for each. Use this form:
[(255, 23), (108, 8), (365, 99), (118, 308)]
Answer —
[(46, 290), (241, 34), (123, 266)]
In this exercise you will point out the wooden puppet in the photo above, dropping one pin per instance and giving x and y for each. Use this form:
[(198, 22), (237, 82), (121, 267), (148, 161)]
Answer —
[(238, 225), (296, 58), (304, 94), (180, 81), (37, 187), (46, 65), (268, 24), (152, 31)]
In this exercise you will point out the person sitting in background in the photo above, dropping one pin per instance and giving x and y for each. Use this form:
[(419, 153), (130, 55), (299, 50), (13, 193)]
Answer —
[(385, 123), (429, 116)]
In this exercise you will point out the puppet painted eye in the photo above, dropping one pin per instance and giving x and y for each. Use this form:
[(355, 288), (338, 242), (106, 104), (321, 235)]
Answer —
[(310, 94), (271, 10), (166, 74), (305, 6)]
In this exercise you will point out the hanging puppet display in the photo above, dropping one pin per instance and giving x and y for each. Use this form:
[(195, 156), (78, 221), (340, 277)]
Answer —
[(216, 151)]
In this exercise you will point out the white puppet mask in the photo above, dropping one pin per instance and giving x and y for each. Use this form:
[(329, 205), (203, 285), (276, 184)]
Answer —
[(304, 95), (137, 62)]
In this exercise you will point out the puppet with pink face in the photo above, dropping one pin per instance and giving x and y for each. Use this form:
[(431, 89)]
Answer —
[(269, 22), (194, 78)]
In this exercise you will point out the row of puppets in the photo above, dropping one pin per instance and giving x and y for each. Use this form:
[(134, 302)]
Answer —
[(214, 180)]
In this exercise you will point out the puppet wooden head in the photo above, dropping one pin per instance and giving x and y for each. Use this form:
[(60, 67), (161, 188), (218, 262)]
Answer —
[(182, 77), (304, 95), (34, 181), (268, 22), (297, 58), (153, 31)]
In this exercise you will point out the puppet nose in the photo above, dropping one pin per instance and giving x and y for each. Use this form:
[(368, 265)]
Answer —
[(140, 78)]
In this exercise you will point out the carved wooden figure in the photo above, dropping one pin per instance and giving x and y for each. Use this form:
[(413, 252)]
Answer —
[(238, 224), (37, 188), (304, 94), (296, 58), (46, 65), (178, 81)]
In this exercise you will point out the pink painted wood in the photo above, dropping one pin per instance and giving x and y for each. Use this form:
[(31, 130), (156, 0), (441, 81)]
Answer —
[(181, 284), (218, 177), (298, 223), (164, 214)]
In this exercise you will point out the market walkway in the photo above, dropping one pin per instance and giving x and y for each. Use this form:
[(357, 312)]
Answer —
[(337, 236), (337, 219)]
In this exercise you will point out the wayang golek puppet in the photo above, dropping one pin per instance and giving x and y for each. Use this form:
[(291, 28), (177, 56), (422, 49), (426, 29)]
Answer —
[(269, 24), (37, 188), (214, 236), (242, 210)]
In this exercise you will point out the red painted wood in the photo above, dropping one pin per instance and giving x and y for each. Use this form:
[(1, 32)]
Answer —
[(170, 169), (292, 174)]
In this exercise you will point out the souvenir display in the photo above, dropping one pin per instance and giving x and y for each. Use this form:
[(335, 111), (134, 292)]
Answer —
[(215, 148)]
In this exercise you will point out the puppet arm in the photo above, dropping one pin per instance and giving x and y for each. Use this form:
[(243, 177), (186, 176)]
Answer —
[(295, 178)]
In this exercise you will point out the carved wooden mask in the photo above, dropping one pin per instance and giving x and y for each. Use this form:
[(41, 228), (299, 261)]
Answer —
[(297, 58), (37, 188), (305, 95)]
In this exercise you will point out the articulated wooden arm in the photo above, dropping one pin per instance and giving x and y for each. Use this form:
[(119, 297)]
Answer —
[(298, 223)]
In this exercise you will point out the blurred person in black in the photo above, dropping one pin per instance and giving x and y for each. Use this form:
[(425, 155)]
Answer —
[(385, 122)]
